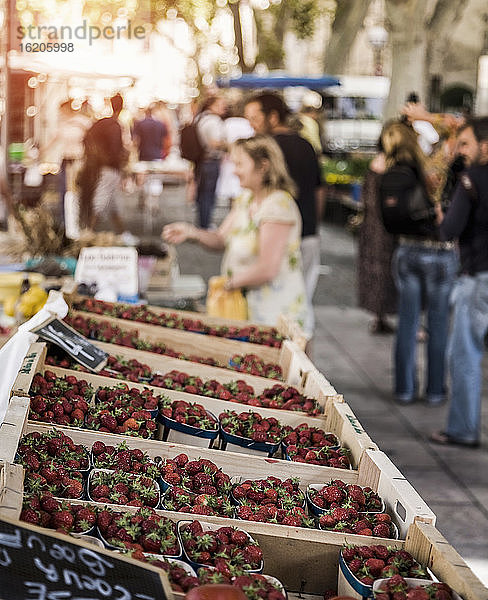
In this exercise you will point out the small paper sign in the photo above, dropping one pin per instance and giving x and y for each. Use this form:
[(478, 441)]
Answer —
[(76, 345)]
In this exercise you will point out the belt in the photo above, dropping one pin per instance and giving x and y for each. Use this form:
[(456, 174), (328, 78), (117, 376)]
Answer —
[(432, 244)]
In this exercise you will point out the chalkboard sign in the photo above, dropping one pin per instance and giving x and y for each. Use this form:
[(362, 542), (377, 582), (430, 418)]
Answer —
[(40, 565), (77, 346)]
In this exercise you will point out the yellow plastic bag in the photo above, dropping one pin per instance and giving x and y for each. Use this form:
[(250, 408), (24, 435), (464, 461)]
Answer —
[(229, 304)]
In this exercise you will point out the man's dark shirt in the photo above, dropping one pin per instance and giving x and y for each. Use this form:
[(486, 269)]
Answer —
[(105, 139), (467, 219), (151, 134), (303, 167)]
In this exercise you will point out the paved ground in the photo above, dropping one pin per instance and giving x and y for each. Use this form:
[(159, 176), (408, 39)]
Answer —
[(453, 481)]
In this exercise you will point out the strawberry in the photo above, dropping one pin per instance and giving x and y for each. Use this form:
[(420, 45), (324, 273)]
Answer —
[(382, 530), (62, 519), (375, 566), (30, 516)]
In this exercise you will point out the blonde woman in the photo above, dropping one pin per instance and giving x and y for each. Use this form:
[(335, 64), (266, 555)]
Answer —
[(260, 235), (424, 269)]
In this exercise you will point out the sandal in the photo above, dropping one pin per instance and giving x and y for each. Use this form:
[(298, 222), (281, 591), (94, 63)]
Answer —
[(379, 327), (444, 439)]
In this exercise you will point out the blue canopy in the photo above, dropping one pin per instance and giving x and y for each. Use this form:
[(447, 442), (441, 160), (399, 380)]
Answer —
[(279, 81)]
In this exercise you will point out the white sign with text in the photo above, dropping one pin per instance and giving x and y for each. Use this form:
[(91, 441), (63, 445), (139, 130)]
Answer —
[(112, 268)]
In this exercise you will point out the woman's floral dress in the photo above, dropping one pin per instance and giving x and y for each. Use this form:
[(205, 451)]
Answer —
[(286, 292)]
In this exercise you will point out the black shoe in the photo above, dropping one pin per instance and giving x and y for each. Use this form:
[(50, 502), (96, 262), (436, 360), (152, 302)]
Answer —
[(443, 439)]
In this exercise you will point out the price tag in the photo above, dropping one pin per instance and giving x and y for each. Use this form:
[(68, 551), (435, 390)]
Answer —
[(79, 347), (40, 565)]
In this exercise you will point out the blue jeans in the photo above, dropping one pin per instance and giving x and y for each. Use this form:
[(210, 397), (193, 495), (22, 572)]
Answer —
[(466, 344), (424, 278), (207, 173)]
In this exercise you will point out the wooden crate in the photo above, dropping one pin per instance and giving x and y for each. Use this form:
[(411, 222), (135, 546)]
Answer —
[(338, 417), (286, 327), (160, 364), (235, 465), (12, 428), (163, 364), (11, 489), (189, 342), (402, 501)]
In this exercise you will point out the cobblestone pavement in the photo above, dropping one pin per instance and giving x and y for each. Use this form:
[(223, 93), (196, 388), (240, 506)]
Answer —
[(453, 481)]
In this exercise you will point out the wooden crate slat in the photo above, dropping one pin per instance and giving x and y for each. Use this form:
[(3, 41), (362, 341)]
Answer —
[(11, 489), (426, 542), (33, 362), (340, 418), (295, 364), (13, 426), (317, 386), (402, 500)]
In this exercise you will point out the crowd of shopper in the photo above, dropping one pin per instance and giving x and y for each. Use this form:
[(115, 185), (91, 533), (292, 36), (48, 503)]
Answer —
[(431, 272)]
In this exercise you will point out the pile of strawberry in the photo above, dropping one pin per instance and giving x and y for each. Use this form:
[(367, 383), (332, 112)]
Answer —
[(288, 398), (123, 458), (396, 588), (104, 331), (117, 367), (251, 425), (261, 335), (121, 395), (254, 585), (117, 487), (272, 500), (143, 530), (304, 436), (189, 413), (369, 563), (214, 547), (270, 513), (182, 382), (252, 364), (132, 369), (124, 411), (53, 463), (349, 520), (277, 397), (200, 476), (180, 500), (47, 511), (339, 494), (61, 400), (270, 491), (326, 457)]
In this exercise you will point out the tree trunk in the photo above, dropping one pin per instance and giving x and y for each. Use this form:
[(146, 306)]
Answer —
[(235, 9), (406, 22), (349, 18), (408, 71)]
